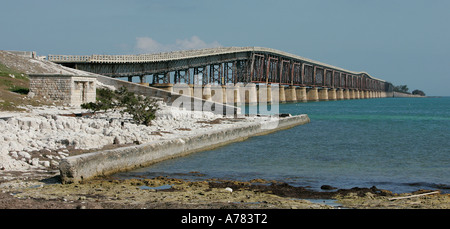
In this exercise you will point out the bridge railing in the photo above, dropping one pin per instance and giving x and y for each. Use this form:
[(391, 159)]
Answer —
[(68, 58), (163, 56)]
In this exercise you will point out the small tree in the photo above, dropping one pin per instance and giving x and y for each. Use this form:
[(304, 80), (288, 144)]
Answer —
[(418, 92), (105, 100), (141, 108), (401, 88)]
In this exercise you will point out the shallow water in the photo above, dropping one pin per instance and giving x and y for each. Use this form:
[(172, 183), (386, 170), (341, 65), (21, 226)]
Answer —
[(398, 144)]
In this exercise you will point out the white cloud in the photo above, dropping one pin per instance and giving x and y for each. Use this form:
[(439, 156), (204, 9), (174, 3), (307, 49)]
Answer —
[(149, 45)]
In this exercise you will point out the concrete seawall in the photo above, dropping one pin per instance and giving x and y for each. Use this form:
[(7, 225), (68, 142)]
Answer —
[(86, 166), (404, 95)]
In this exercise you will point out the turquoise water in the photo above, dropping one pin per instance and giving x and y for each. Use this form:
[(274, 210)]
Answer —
[(398, 144)]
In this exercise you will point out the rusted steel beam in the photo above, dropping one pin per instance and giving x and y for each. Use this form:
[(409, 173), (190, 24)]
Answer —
[(333, 85), (228, 73), (272, 70), (295, 73), (161, 78), (302, 75), (314, 76), (309, 75), (182, 76), (258, 68), (251, 67), (268, 69), (216, 73), (284, 71)]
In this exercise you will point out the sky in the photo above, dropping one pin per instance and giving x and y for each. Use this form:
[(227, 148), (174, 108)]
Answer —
[(405, 42)]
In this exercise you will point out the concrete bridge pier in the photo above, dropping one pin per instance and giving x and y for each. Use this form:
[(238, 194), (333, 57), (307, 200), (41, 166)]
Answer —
[(164, 86), (332, 94), (312, 94), (281, 94), (346, 94), (361, 94), (352, 94), (183, 89), (196, 90), (252, 95), (291, 94), (340, 94), (142, 79), (367, 94), (206, 94), (264, 93), (218, 94), (248, 93), (232, 94), (301, 94), (356, 93), (323, 94), (224, 94)]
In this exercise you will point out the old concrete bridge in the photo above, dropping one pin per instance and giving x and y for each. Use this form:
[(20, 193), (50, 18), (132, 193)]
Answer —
[(253, 68)]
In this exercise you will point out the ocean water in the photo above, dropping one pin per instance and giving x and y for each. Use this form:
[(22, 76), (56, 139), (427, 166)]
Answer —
[(398, 144)]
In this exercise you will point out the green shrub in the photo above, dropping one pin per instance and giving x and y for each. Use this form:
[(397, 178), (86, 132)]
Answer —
[(105, 101), (418, 92), (19, 89), (141, 108)]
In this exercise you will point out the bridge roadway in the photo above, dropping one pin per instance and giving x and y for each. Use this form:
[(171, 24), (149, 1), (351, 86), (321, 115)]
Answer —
[(302, 78)]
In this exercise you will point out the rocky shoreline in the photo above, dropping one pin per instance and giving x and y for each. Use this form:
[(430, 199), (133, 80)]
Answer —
[(171, 193), (41, 137)]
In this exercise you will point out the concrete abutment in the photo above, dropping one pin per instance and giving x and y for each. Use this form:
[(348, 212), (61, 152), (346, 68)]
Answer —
[(87, 166)]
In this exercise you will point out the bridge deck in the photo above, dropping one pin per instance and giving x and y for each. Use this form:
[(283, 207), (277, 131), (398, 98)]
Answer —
[(225, 65)]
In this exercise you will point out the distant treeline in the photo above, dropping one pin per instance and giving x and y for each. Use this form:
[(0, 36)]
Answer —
[(405, 89)]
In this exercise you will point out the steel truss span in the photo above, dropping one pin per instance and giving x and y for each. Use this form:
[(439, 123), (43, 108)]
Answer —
[(227, 65)]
